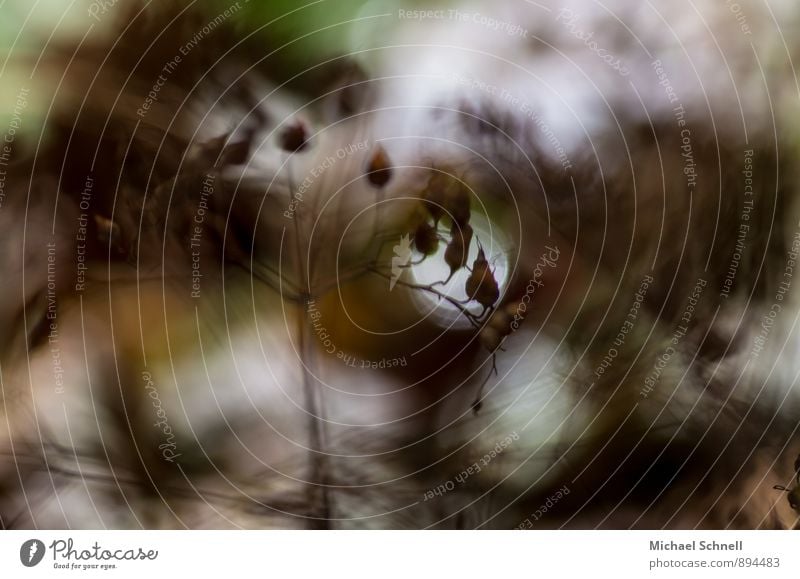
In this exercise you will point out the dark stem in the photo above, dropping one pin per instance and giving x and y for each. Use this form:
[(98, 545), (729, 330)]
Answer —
[(318, 489)]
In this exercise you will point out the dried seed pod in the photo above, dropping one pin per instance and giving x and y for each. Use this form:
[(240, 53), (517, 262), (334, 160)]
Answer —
[(426, 238), (458, 249), (294, 137), (481, 285), (379, 168)]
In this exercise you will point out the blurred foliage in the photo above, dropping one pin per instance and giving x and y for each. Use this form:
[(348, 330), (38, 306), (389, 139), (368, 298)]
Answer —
[(309, 32), (298, 34), (26, 29)]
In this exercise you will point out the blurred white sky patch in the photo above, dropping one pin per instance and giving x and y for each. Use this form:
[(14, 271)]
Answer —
[(574, 66)]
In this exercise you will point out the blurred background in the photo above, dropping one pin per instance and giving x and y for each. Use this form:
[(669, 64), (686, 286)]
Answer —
[(379, 264)]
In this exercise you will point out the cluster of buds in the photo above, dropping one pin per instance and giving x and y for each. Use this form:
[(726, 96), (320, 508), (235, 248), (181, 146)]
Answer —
[(445, 197), (448, 198)]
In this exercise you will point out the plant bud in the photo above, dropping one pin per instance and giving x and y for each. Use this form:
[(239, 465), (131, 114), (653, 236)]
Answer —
[(481, 285), (426, 239), (458, 249), (294, 138), (379, 169)]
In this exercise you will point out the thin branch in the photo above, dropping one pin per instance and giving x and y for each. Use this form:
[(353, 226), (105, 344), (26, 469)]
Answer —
[(476, 321)]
